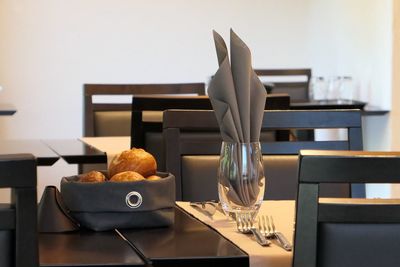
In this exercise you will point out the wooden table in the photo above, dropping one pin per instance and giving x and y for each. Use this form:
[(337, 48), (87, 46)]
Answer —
[(7, 109), (86, 248), (366, 109), (74, 151), (44, 155), (188, 242)]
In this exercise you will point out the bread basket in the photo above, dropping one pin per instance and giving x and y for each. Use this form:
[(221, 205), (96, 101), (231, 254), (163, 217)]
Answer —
[(110, 205)]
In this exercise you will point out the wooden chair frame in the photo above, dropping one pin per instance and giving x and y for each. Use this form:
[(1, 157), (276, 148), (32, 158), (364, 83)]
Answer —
[(127, 89), (143, 103), (289, 85), (18, 172), (176, 122), (319, 167)]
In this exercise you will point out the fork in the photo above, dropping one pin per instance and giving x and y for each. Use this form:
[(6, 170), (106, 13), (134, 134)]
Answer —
[(245, 225), (273, 233), (264, 226)]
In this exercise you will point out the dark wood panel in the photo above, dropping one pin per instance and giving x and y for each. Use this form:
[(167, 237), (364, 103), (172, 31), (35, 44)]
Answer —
[(128, 89), (362, 213), (188, 243), (44, 155), (343, 167), (74, 151), (7, 109), (83, 248), (16, 170)]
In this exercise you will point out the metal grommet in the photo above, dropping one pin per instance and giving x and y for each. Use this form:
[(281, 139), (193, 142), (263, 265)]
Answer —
[(133, 204)]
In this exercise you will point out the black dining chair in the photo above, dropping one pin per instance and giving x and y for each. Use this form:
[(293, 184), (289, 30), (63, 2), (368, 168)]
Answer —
[(147, 132), (298, 88), (18, 220), (113, 119), (334, 232), (193, 143)]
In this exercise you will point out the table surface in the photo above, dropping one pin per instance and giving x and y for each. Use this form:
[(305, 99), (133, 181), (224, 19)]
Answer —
[(188, 242), (74, 151), (44, 155), (366, 109), (274, 255), (7, 109), (86, 249)]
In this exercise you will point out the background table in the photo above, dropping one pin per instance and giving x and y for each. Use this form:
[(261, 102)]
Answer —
[(7, 109), (74, 151), (366, 109), (44, 155)]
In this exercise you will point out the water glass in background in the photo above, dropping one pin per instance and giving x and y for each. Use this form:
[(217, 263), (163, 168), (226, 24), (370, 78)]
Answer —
[(318, 88), (334, 85), (346, 88)]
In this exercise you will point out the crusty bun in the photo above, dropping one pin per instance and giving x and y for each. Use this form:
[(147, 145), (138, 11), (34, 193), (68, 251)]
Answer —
[(136, 160), (128, 176), (153, 178), (92, 177)]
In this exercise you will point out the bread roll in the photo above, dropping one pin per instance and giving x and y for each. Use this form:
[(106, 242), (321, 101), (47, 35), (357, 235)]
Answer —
[(136, 159), (153, 178), (92, 177), (128, 176)]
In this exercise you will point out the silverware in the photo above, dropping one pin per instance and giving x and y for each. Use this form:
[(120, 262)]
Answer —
[(245, 225), (208, 208), (269, 231)]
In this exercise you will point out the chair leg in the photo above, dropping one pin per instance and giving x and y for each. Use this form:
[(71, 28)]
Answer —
[(26, 239)]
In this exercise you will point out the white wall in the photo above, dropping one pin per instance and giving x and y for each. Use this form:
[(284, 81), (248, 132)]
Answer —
[(50, 48)]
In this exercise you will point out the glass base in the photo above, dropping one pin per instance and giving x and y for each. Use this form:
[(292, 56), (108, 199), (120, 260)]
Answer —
[(233, 211)]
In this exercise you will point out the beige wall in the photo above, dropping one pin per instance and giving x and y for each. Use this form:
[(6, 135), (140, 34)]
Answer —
[(395, 113)]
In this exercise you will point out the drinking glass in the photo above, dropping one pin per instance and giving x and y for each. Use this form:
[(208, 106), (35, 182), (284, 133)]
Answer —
[(318, 88), (334, 85), (346, 88), (241, 180)]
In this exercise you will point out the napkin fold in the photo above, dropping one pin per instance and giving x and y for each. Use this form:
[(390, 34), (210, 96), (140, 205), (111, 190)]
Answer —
[(238, 99), (236, 93)]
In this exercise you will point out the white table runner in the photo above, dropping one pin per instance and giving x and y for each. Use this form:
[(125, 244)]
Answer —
[(272, 256)]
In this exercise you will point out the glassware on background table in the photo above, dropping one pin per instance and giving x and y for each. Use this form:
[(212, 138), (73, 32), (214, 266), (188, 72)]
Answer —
[(346, 88), (318, 88), (241, 180), (334, 85)]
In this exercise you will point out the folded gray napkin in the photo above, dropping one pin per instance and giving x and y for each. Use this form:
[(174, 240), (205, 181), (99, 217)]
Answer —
[(236, 93), (238, 99)]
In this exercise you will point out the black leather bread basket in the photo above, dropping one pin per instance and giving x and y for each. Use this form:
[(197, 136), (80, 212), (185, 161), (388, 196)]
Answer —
[(110, 205)]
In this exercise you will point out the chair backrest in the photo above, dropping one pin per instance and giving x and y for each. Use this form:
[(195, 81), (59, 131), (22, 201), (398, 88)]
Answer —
[(113, 119), (298, 90), (334, 232), (148, 133), (190, 133), (18, 220)]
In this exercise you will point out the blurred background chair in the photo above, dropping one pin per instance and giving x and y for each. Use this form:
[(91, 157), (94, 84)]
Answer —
[(18, 220), (112, 116), (147, 133), (192, 147), (294, 82), (345, 233), (108, 108)]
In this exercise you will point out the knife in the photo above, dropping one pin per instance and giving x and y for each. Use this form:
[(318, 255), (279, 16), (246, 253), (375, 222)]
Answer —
[(208, 208)]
